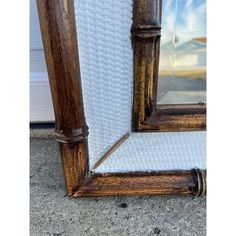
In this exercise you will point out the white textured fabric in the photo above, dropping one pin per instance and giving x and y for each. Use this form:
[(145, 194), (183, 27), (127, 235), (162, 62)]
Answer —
[(158, 151), (103, 28), (106, 60)]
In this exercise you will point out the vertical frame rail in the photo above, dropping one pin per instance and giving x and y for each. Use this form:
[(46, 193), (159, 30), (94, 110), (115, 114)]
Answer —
[(146, 32), (58, 26)]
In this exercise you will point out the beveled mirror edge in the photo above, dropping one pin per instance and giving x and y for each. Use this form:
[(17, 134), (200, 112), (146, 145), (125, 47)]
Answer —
[(57, 23)]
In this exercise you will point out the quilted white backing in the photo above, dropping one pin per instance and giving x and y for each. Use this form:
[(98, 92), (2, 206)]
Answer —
[(158, 151), (106, 60)]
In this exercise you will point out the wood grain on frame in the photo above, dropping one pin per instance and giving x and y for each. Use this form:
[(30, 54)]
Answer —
[(57, 22), (132, 184), (147, 116), (146, 32)]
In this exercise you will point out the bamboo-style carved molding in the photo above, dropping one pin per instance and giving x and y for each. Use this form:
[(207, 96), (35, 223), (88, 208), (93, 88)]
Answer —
[(57, 21), (199, 189), (138, 183), (147, 116), (146, 31), (146, 18), (60, 44), (73, 135)]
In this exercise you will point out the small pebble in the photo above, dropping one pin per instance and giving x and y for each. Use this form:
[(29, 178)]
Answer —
[(156, 231), (123, 205)]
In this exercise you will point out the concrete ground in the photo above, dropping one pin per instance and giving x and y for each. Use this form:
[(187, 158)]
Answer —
[(53, 213)]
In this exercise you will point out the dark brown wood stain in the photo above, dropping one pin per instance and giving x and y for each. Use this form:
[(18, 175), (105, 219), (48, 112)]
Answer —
[(147, 115), (57, 20), (59, 35)]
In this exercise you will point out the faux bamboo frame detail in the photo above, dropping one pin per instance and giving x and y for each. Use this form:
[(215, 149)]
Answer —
[(147, 115), (57, 21)]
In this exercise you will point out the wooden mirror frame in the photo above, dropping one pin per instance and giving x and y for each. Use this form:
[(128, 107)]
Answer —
[(147, 114), (58, 27)]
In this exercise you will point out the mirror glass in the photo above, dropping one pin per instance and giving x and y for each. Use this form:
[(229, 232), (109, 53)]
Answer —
[(182, 69)]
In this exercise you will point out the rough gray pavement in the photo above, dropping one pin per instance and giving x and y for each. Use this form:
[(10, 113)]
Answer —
[(53, 213)]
